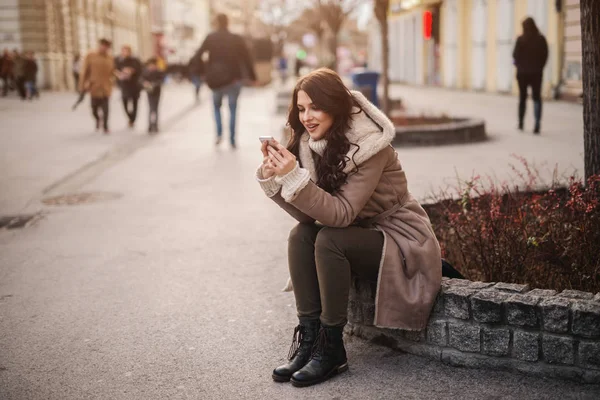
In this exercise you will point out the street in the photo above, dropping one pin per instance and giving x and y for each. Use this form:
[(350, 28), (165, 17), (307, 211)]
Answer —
[(169, 286)]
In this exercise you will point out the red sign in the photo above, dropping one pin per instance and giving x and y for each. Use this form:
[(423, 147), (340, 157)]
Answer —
[(427, 22)]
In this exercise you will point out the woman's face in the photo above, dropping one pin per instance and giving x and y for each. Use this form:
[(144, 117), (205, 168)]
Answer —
[(317, 122)]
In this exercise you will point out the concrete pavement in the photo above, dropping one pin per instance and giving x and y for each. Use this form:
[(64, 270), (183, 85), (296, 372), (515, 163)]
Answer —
[(172, 290)]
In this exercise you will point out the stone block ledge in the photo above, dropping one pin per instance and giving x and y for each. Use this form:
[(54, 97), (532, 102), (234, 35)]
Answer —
[(496, 326)]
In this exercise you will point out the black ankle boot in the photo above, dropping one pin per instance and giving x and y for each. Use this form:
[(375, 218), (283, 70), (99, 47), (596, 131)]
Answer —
[(328, 358), (305, 336)]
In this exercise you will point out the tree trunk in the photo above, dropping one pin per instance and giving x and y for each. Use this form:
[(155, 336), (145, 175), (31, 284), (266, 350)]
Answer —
[(334, 45), (590, 38)]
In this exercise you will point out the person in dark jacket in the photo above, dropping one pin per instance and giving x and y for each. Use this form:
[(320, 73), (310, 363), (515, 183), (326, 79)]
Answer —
[(129, 72), (229, 63), (152, 79), (6, 71), (195, 73), (530, 56), (30, 68), (19, 73)]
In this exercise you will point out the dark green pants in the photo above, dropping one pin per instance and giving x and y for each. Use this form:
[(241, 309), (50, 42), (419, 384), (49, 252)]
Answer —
[(321, 261)]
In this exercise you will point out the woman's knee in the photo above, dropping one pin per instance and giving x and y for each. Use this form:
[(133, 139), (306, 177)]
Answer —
[(303, 233), (330, 239)]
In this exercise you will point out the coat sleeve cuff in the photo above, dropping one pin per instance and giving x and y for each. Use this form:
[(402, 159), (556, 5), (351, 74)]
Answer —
[(269, 185), (293, 182)]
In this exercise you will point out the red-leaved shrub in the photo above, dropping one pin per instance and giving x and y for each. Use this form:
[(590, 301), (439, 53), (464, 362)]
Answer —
[(500, 233)]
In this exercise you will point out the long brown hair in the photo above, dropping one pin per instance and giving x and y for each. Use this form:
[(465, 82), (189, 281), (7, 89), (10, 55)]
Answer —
[(327, 92)]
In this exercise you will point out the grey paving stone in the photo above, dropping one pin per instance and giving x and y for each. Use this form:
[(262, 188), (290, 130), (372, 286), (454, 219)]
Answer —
[(464, 337), (456, 302), (542, 292), (495, 342), (589, 354), (521, 310), (558, 349), (586, 318), (526, 345), (437, 333), (555, 314), (487, 305), (511, 287), (576, 294)]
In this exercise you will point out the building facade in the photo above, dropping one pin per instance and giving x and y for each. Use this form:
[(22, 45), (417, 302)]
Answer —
[(179, 27), (468, 44), (56, 30)]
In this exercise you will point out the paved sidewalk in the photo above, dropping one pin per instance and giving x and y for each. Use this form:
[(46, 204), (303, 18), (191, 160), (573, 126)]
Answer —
[(559, 146), (44, 141)]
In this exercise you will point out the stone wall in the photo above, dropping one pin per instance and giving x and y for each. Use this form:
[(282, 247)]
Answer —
[(499, 326)]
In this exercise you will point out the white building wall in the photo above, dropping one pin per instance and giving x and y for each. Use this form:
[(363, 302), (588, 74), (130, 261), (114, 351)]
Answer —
[(10, 29)]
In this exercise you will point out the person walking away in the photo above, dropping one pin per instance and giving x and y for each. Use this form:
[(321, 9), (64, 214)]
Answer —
[(97, 79), (76, 69), (129, 72), (152, 79), (30, 72), (228, 60), (195, 72), (530, 56), (6, 71), (19, 74)]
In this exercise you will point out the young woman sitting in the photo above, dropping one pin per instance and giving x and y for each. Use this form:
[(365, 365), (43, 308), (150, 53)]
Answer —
[(342, 180)]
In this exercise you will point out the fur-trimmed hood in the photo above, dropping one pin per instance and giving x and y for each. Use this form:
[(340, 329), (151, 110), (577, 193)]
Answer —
[(370, 129)]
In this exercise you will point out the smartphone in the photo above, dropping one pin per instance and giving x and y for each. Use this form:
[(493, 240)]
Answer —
[(265, 138)]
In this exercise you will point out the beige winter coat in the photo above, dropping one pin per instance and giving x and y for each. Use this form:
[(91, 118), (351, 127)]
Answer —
[(410, 269), (97, 74)]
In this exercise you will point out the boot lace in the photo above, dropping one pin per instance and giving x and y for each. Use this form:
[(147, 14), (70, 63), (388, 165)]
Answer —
[(320, 344), (296, 341)]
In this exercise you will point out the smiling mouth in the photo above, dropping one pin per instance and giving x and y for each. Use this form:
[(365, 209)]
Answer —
[(311, 127)]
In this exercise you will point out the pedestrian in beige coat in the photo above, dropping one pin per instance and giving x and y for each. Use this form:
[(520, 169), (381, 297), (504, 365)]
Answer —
[(342, 180), (96, 78)]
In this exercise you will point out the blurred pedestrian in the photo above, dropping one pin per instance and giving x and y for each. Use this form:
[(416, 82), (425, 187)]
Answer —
[(129, 71), (195, 72), (282, 66), (152, 79), (76, 69), (530, 56), (368, 223), (30, 71), (228, 61), (97, 79), (6, 71), (19, 73)]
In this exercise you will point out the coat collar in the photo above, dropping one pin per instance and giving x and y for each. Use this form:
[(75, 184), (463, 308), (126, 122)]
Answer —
[(370, 129)]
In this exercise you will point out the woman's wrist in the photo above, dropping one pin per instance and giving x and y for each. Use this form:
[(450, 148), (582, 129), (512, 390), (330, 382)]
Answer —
[(293, 182), (269, 185)]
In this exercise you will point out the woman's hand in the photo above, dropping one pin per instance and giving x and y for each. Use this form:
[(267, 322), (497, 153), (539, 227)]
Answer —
[(267, 167), (281, 160)]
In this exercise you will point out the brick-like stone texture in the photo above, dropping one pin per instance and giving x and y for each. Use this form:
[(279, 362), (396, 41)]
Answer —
[(438, 306), (355, 313), (368, 313), (589, 354), (495, 342), (558, 349), (437, 333), (480, 285), (464, 337), (586, 319), (486, 305), (555, 314), (526, 346), (521, 310), (447, 283), (576, 294), (511, 287), (542, 292), (456, 301), (597, 298)]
